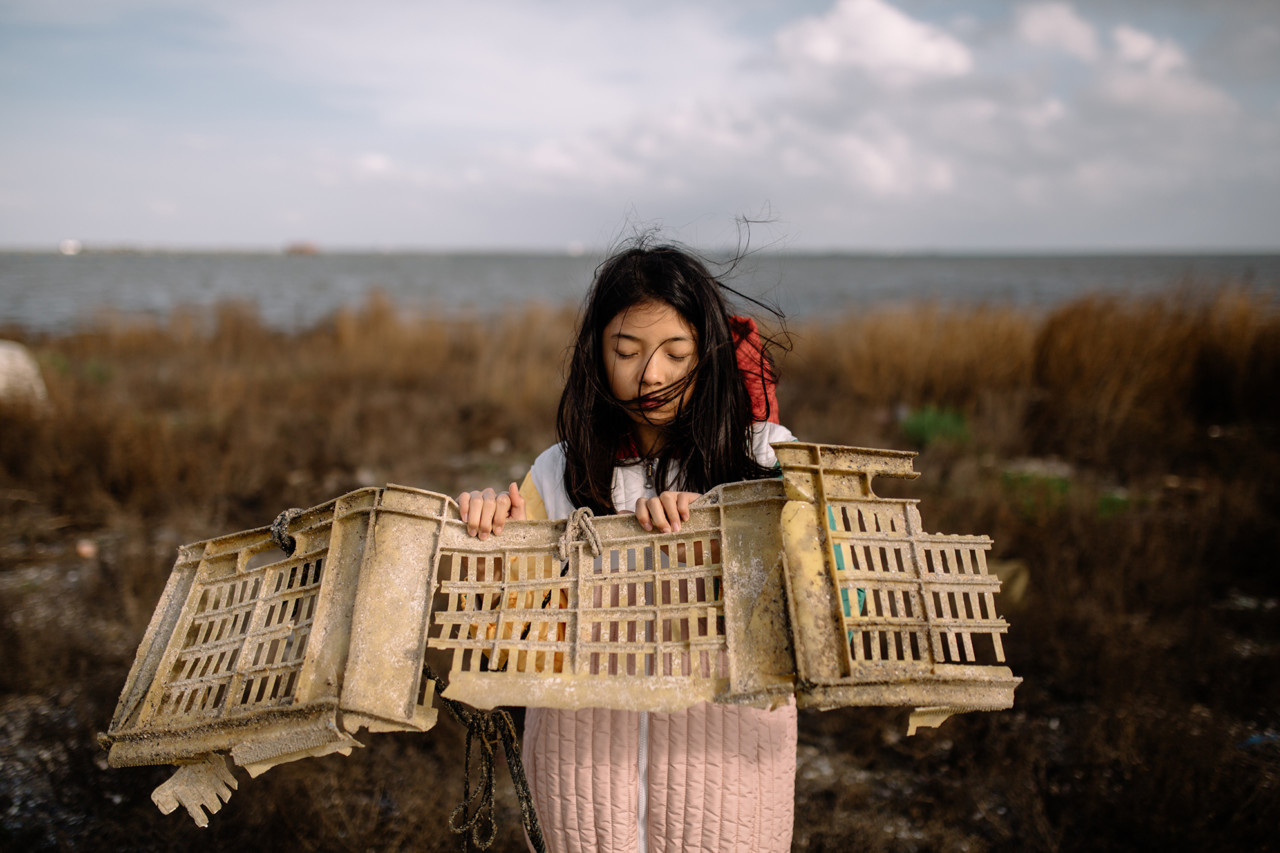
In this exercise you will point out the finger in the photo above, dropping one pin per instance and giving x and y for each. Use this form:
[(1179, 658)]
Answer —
[(471, 512), (501, 512), (475, 510), (517, 502), (659, 518), (466, 506), (686, 499), (642, 514), (487, 509), (671, 507)]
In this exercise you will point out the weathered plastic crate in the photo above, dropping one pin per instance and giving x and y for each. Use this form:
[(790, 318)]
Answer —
[(808, 585), (267, 658), (597, 612), (882, 612)]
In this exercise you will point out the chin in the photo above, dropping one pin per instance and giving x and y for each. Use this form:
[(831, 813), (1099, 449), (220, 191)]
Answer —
[(656, 419)]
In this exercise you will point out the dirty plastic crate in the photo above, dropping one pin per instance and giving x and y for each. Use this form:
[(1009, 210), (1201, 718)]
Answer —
[(597, 612), (807, 585), (255, 653), (883, 612)]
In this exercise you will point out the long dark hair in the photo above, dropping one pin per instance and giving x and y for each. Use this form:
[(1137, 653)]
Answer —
[(710, 436)]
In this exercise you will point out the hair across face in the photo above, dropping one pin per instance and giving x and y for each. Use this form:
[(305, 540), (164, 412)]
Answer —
[(650, 355), (671, 307)]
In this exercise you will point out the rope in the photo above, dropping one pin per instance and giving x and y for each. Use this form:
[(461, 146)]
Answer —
[(490, 728), (280, 530), (579, 527)]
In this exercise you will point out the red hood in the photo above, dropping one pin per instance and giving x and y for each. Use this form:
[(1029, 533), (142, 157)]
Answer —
[(756, 371)]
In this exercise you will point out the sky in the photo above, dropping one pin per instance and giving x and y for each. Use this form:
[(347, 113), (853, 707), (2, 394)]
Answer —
[(843, 125)]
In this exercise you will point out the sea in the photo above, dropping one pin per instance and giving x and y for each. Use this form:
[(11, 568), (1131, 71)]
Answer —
[(54, 293)]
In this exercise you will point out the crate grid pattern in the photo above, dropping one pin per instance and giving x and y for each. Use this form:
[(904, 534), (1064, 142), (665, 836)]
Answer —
[(637, 610), (510, 611), (960, 598), (534, 621), (879, 589), (655, 611), (910, 600), (245, 640)]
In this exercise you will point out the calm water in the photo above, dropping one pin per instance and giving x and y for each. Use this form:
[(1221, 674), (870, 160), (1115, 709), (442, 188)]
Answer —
[(47, 292)]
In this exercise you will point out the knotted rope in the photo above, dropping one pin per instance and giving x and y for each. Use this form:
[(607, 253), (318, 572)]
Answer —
[(490, 728), (280, 530), (579, 527)]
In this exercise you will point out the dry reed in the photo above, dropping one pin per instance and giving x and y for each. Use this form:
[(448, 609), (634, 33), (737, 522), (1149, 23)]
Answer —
[(1122, 453)]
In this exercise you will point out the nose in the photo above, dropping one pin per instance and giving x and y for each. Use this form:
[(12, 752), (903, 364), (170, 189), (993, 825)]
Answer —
[(653, 375)]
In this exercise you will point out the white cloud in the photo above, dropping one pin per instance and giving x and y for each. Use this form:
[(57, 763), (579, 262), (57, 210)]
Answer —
[(497, 65), (865, 122), (1057, 26), (890, 165), (1043, 114), (874, 37), (589, 161), (1166, 95), (1112, 177), (1153, 75), (1158, 56), (374, 164)]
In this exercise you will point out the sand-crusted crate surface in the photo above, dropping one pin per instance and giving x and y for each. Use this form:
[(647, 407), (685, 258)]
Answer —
[(604, 614), (267, 657), (206, 676), (914, 621), (807, 585)]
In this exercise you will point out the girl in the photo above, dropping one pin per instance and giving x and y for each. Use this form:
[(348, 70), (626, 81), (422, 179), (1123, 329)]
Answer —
[(667, 396)]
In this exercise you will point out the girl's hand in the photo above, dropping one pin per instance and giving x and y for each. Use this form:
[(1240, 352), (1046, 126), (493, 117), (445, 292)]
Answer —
[(665, 512), (488, 511)]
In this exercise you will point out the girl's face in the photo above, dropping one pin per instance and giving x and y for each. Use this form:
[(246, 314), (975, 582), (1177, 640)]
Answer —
[(649, 351)]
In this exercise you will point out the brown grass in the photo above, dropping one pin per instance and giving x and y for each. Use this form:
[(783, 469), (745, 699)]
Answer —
[(1146, 518)]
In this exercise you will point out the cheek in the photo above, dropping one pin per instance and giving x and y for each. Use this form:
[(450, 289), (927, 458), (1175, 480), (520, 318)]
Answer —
[(688, 391), (619, 379), (691, 368)]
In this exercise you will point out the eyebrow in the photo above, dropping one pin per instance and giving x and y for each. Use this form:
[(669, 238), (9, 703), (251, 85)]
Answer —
[(636, 338)]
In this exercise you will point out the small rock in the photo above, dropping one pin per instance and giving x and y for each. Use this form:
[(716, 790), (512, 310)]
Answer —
[(20, 379)]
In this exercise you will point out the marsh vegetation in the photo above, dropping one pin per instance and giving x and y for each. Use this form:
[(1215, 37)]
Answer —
[(1123, 454)]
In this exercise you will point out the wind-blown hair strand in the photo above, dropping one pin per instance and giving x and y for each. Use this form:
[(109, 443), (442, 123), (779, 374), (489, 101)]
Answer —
[(709, 438)]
